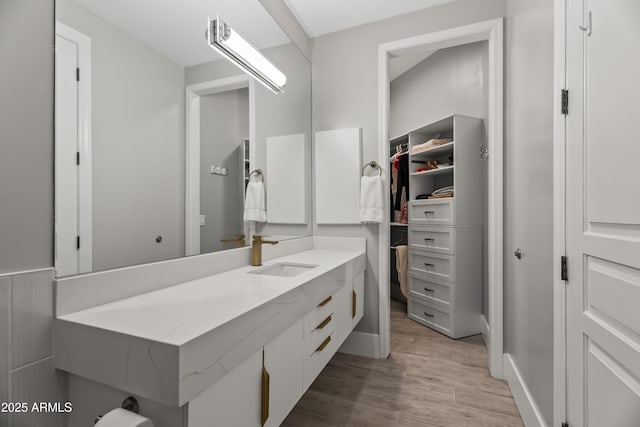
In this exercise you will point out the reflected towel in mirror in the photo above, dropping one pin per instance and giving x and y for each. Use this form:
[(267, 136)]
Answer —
[(254, 203)]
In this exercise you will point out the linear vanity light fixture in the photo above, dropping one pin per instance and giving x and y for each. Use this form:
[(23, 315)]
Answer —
[(230, 44)]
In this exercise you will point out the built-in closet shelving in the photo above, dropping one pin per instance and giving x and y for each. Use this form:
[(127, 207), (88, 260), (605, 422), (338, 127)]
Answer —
[(445, 234)]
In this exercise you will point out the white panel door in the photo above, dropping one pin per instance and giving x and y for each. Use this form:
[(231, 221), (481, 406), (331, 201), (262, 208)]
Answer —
[(337, 165), (603, 213), (66, 149), (286, 179)]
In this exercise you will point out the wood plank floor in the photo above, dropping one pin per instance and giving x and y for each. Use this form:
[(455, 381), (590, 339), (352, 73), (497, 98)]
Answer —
[(428, 380)]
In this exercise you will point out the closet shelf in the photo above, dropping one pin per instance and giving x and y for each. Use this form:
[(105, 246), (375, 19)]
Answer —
[(437, 171), (398, 224), (439, 149)]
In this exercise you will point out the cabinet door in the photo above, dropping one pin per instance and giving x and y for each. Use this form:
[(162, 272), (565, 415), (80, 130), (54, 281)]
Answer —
[(232, 401), (358, 299), (343, 312), (283, 364)]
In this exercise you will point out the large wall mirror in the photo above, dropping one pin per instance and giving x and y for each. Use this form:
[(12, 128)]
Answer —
[(157, 135)]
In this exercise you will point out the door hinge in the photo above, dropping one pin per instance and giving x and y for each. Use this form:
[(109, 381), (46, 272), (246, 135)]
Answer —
[(77, 242), (564, 273), (565, 101), (77, 74), (77, 157)]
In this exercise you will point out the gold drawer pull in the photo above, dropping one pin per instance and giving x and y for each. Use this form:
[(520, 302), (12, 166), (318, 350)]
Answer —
[(324, 323), (324, 344), (265, 396), (354, 304), (326, 301)]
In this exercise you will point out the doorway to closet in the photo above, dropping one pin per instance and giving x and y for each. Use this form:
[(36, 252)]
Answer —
[(440, 116)]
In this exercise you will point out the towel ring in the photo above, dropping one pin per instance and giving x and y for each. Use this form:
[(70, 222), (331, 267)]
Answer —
[(374, 165), (257, 172)]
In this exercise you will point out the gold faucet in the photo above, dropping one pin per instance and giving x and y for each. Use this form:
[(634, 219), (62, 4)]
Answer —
[(256, 249), (239, 240)]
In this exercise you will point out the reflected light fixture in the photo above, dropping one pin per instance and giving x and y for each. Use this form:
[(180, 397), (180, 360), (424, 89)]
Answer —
[(230, 44)]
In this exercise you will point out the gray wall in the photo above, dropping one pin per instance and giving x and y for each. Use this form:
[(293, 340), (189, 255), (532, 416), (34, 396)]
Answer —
[(138, 145), (224, 123), (26, 210), (345, 94), (528, 299), (283, 114), (26, 135), (453, 80)]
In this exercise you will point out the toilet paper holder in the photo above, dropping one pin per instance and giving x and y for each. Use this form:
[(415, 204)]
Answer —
[(130, 404)]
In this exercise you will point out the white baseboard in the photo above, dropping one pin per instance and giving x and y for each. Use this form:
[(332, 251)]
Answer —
[(529, 411), (362, 344)]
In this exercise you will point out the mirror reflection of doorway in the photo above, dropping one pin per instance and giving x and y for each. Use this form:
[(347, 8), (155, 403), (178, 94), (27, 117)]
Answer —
[(73, 199), (224, 128)]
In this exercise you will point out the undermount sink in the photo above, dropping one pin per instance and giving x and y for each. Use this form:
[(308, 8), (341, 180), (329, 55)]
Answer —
[(283, 269)]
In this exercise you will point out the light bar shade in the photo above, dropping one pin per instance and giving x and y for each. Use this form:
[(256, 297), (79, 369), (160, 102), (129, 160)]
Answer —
[(230, 44)]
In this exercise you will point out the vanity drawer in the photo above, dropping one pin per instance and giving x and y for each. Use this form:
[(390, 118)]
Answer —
[(313, 339), (431, 212), (432, 239), (431, 289), (430, 315), (432, 265), (319, 359), (318, 314)]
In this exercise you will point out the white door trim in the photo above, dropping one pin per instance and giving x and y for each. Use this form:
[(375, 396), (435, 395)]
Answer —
[(559, 216), (493, 32), (85, 181), (192, 169)]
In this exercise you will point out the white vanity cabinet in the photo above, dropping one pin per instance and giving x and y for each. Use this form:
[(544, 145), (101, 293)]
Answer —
[(264, 389), (259, 392)]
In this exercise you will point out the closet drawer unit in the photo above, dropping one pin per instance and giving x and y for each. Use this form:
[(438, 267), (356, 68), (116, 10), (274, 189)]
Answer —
[(316, 362), (431, 212), (429, 315), (318, 314), (432, 239), (432, 266), (431, 290), (313, 339)]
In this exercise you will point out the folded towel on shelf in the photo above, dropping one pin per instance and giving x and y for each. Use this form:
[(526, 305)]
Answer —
[(371, 199), (402, 266), (429, 145), (254, 203)]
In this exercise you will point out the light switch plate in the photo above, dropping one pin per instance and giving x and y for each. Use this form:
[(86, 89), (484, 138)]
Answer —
[(202, 220)]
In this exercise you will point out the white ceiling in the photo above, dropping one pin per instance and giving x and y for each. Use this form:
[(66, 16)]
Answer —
[(175, 28), (320, 17)]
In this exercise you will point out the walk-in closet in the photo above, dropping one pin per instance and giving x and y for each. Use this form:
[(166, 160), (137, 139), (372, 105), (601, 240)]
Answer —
[(438, 169)]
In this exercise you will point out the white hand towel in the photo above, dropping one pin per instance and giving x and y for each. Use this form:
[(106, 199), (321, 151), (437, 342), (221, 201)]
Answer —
[(371, 199), (254, 203)]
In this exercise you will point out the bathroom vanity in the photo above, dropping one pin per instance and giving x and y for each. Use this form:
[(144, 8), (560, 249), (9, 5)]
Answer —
[(238, 347)]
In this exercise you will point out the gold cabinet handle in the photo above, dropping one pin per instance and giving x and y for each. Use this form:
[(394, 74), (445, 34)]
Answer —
[(354, 304), (324, 344), (265, 395), (326, 301), (324, 323)]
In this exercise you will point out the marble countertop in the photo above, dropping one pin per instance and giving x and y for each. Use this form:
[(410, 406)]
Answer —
[(180, 313), (171, 344)]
